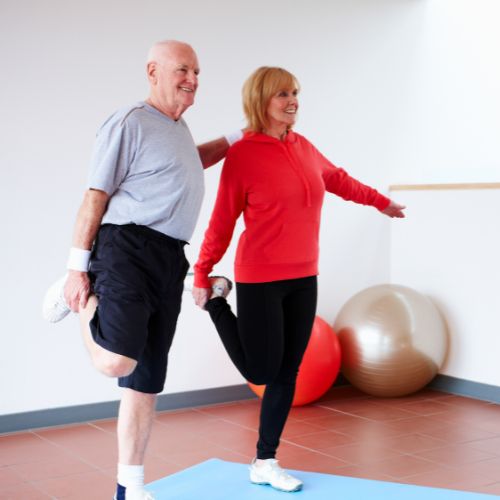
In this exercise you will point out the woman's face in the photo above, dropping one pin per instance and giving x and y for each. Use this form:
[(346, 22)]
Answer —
[(282, 108)]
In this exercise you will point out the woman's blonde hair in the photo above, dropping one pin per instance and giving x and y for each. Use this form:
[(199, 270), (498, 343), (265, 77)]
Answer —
[(260, 86)]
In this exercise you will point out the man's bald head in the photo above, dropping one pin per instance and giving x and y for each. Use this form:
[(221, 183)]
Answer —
[(161, 51), (172, 69)]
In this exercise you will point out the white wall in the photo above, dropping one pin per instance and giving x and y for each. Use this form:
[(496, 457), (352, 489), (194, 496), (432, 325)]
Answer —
[(449, 250), (394, 90)]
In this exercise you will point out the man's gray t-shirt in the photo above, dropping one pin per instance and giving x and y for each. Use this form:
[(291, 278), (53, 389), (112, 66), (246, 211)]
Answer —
[(149, 165)]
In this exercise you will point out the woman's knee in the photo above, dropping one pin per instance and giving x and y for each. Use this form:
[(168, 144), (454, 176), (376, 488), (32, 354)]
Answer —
[(261, 377)]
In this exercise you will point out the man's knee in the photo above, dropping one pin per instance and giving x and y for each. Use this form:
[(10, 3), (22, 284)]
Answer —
[(115, 365)]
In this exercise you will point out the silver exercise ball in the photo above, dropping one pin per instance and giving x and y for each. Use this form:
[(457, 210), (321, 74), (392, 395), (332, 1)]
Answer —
[(393, 340)]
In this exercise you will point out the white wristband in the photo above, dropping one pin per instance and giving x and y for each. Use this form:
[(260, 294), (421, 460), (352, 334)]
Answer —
[(78, 259), (233, 137)]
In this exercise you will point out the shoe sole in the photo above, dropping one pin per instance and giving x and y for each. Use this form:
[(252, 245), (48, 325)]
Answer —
[(54, 318), (53, 309), (264, 483)]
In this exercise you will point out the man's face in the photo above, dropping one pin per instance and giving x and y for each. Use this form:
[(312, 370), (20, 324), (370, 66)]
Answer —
[(175, 79)]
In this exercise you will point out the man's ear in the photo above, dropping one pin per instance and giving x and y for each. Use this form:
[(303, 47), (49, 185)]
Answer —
[(151, 70)]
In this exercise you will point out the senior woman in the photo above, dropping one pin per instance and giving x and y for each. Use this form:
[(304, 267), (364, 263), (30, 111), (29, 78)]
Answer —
[(277, 179)]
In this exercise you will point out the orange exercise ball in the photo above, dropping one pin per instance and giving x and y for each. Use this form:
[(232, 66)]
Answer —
[(319, 368)]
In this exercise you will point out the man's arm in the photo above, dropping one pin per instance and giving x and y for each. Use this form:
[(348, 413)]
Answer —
[(88, 221), (212, 152)]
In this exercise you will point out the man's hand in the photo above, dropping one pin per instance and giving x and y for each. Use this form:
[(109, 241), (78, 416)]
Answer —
[(77, 290), (394, 210), (88, 222), (201, 296)]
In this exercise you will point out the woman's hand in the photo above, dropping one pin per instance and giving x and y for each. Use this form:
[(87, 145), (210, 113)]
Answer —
[(394, 210), (201, 296)]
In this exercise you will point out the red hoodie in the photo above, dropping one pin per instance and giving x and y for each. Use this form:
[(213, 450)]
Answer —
[(279, 187)]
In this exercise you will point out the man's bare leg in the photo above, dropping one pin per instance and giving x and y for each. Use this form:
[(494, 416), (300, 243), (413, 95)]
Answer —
[(137, 409), (135, 420), (107, 362)]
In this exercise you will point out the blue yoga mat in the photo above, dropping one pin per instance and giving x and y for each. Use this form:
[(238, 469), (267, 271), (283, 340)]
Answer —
[(219, 480)]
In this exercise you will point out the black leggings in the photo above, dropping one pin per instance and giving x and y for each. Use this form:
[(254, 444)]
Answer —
[(266, 343)]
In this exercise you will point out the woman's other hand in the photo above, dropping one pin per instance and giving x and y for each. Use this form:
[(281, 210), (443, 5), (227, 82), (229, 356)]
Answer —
[(394, 210)]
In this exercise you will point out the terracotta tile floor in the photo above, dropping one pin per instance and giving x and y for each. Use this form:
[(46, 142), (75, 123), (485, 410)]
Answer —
[(430, 438)]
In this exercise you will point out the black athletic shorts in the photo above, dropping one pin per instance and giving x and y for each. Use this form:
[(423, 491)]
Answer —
[(137, 275)]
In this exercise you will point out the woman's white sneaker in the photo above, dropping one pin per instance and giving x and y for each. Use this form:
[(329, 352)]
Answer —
[(269, 472), (221, 286), (54, 306)]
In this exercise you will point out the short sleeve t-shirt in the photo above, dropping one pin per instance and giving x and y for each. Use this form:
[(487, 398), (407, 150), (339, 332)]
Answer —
[(149, 165)]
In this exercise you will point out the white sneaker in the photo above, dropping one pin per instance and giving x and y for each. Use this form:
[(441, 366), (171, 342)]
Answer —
[(189, 282), (270, 472), (221, 286), (136, 494), (54, 307)]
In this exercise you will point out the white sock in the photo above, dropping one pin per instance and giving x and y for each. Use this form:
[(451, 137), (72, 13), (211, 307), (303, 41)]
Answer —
[(131, 476)]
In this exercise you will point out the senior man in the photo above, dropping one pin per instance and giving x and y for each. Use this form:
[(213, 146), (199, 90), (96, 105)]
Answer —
[(144, 196)]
